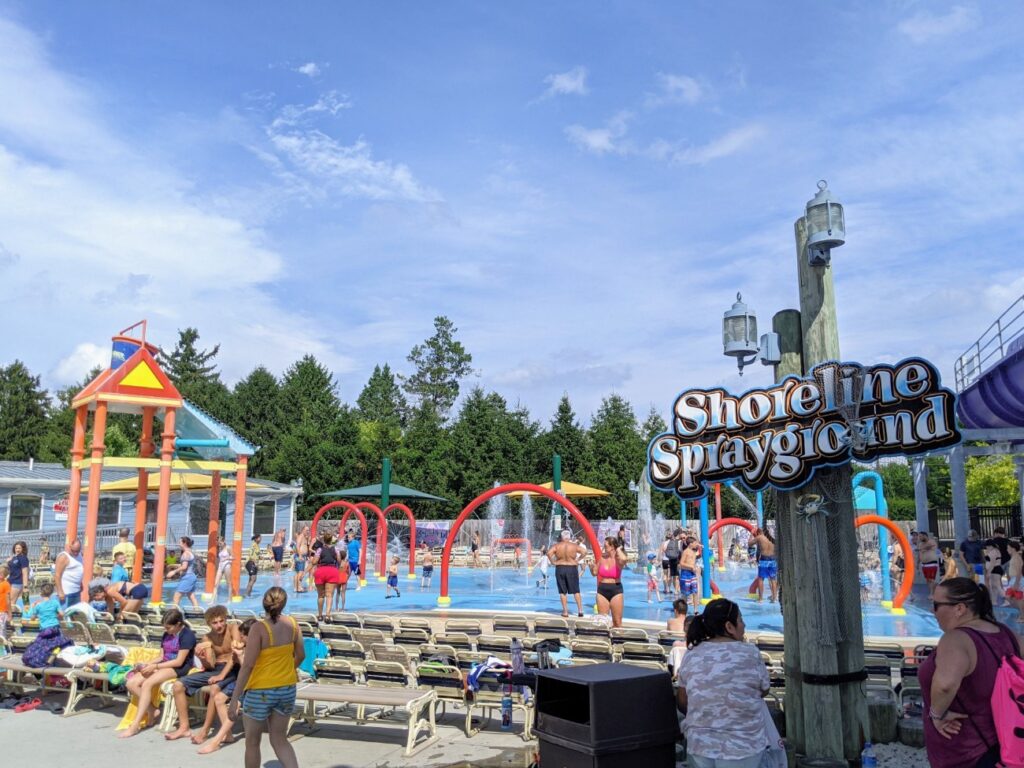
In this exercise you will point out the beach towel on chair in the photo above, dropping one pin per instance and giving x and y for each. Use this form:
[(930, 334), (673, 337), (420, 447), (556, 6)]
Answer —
[(37, 653)]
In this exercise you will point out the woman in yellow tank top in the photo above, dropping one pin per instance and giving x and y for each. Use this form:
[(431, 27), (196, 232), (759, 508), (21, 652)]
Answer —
[(265, 690)]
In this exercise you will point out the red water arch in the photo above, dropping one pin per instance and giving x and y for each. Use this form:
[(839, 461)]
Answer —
[(349, 508), (562, 501), (382, 537), (715, 527), (412, 534), (908, 555)]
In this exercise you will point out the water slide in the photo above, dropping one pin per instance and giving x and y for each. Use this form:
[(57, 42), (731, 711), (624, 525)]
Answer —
[(990, 375)]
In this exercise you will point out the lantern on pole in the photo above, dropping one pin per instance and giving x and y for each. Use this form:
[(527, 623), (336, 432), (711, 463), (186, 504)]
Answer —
[(826, 226)]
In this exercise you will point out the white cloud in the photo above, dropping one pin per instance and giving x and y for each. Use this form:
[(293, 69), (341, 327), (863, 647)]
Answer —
[(601, 141), (926, 27), (80, 362), (736, 140), (676, 89), (310, 69), (329, 103), (573, 82)]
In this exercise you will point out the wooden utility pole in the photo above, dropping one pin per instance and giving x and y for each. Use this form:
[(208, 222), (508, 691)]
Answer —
[(827, 590)]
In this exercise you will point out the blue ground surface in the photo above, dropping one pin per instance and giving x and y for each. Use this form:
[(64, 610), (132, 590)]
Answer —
[(507, 590)]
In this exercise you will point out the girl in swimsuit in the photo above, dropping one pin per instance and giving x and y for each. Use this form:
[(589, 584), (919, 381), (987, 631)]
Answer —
[(609, 580)]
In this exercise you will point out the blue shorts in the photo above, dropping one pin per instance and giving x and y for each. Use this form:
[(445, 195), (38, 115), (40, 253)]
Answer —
[(767, 568), (258, 703), (979, 569), (687, 582), (428, 571), (392, 580), (300, 564), (354, 567), (187, 585)]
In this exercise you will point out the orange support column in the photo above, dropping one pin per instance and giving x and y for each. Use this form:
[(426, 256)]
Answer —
[(75, 492), (214, 534), (163, 501), (718, 518), (146, 448), (236, 536), (92, 507)]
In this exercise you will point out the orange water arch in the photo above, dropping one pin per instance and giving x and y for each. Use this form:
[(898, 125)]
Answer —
[(382, 533), (349, 508), (412, 534), (908, 555), (444, 598)]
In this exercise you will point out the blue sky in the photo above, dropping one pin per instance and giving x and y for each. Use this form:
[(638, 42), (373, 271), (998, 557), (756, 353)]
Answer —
[(581, 187)]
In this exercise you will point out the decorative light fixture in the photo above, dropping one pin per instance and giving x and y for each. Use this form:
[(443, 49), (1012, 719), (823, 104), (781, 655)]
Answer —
[(826, 226), (740, 340)]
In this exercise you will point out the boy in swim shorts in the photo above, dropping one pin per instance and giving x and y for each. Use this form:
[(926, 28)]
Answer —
[(393, 578)]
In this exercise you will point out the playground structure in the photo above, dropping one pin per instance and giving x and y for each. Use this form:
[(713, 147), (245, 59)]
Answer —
[(349, 508), (190, 441), (444, 599), (529, 549)]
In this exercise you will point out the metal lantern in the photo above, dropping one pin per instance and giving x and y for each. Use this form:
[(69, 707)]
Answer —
[(826, 226), (739, 333)]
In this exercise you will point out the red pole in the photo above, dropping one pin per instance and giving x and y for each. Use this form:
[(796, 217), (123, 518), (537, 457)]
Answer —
[(92, 506), (412, 535), (349, 508), (163, 501), (382, 537), (718, 518), (75, 492)]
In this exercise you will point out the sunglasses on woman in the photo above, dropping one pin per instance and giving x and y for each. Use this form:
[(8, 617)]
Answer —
[(937, 603)]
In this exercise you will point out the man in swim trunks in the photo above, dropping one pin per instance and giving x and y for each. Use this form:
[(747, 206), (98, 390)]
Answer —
[(300, 554), (426, 566), (928, 549), (566, 555), (767, 568), (277, 550), (688, 575)]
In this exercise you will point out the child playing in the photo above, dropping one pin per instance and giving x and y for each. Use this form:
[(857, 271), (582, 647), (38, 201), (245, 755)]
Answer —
[(47, 610), (393, 578), (426, 567), (517, 555), (217, 704), (5, 599), (542, 565), (44, 553), (652, 579)]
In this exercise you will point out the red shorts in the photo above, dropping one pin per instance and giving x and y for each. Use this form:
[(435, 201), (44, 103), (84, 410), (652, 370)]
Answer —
[(343, 574), (326, 574), (930, 571), (1015, 594)]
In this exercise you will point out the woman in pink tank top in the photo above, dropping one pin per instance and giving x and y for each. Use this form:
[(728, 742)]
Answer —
[(958, 677)]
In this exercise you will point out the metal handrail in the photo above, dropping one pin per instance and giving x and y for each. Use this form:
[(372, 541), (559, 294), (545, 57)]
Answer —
[(991, 347)]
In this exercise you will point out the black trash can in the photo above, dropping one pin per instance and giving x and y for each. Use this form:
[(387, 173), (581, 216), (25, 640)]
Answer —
[(606, 716)]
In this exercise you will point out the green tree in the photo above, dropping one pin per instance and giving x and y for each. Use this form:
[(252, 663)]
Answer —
[(439, 363), (566, 437), (255, 410), (24, 407), (424, 460), (308, 393), (617, 455), (940, 489), (991, 482), (653, 425), (319, 454), (382, 399), (195, 374)]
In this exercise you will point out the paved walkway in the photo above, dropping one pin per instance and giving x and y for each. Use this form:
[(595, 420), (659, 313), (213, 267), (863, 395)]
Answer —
[(89, 739)]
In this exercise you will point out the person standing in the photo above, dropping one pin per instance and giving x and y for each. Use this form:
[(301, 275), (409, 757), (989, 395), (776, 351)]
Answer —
[(426, 566), (354, 547), (277, 550), (252, 564), (566, 555), (474, 548), (608, 570), (19, 571), (957, 678), (688, 589), (970, 554), (265, 689), (224, 560), (326, 575), (767, 567), (68, 574), (126, 546), (673, 551), (928, 551), (186, 574), (301, 556)]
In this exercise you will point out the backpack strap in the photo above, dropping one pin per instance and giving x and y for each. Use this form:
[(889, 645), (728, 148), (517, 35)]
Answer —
[(999, 660)]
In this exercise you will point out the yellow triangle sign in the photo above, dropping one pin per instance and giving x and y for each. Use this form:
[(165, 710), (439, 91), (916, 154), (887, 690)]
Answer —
[(142, 376)]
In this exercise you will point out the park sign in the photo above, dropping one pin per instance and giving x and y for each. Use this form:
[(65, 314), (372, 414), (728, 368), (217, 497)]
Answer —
[(778, 437)]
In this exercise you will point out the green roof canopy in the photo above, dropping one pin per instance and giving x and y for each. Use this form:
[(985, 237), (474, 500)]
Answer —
[(395, 491)]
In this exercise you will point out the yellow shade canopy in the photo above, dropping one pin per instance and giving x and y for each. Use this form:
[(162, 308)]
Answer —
[(192, 481), (570, 489)]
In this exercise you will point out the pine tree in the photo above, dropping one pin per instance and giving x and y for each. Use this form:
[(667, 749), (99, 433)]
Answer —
[(195, 374), (381, 399), (24, 407), (424, 461), (566, 438), (439, 364), (308, 393), (653, 425), (256, 415)]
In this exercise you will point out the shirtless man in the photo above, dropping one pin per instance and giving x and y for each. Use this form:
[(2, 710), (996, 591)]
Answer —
[(301, 556), (928, 550), (566, 555), (216, 653), (277, 550), (688, 575), (426, 567), (767, 568)]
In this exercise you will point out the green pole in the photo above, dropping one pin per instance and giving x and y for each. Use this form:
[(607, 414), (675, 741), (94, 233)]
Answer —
[(556, 484), (385, 484)]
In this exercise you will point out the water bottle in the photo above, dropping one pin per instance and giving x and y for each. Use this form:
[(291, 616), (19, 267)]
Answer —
[(506, 711), (867, 757)]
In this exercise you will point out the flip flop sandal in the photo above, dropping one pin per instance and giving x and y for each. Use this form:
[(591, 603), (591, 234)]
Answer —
[(9, 703), (53, 707), (33, 704)]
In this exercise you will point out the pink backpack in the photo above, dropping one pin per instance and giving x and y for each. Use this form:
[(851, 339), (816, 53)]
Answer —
[(1008, 707)]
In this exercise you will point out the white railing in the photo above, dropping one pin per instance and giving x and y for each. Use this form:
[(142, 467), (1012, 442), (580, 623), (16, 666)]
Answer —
[(1005, 335)]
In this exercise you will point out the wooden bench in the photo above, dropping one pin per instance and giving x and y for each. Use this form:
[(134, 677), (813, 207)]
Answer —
[(419, 705)]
